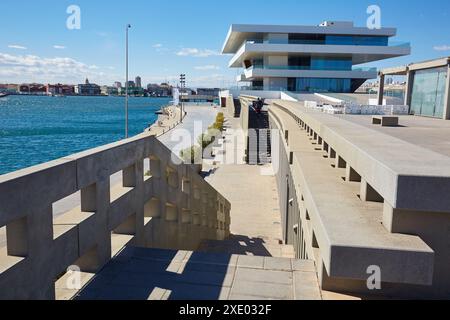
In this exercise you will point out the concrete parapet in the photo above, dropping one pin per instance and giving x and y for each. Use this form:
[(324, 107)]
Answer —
[(398, 223), (155, 209)]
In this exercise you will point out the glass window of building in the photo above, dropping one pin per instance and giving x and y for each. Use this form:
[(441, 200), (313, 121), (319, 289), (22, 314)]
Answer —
[(357, 40), (319, 85), (331, 64), (428, 92)]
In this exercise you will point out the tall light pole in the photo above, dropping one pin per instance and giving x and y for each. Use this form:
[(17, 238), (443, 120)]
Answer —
[(126, 85), (182, 86)]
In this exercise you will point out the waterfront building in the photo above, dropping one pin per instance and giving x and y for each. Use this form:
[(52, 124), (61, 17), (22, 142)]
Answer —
[(131, 84), (162, 90), (9, 88), (88, 89), (117, 85), (109, 91), (309, 58), (32, 88), (208, 92), (132, 91), (138, 82), (60, 89), (427, 91)]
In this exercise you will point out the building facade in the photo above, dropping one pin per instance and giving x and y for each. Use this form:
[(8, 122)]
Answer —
[(309, 58), (132, 91), (159, 90), (33, 88), (109, 91), (208, 92), (138, 82), (88, 89), (427, 90), (60, 89)]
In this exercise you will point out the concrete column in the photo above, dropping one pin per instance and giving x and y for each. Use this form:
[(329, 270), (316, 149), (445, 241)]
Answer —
[(368, 193), (381, 89), (129, 177), (17, 237), (447, 96), (89, 198), (408, 89)]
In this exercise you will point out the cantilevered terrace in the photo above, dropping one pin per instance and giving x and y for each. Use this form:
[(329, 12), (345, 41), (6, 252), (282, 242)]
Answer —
[(309, 58)]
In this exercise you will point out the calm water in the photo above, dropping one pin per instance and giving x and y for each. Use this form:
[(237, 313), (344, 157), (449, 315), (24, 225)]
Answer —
[(34, 130)]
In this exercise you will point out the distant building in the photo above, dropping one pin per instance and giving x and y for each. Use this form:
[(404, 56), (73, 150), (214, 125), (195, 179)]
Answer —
[(138, 82), (208, 92), (131, 84), (9, 88), (60, 89), (32, 88), (117, 84), (88, 89), (132, 91), (162, 90), (109, 91)]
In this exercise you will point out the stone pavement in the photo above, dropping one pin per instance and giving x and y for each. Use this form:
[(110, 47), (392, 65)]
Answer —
[(255, 212), (151, 274)]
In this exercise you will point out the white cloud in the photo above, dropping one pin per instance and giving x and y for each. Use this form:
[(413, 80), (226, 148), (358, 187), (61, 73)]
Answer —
[(59, 47), (158, 45), (442, 48), (199, 53), (207, 67), (60, 69), (16, 46)]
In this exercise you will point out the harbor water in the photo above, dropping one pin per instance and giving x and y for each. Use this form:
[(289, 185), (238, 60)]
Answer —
[(35, 130)]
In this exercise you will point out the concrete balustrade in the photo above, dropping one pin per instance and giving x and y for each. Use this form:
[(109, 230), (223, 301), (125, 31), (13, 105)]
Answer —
[(371, 207), (154, 209)]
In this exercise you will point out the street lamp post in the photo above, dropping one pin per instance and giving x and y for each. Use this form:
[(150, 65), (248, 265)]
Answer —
[(126, 84), (182, 86)]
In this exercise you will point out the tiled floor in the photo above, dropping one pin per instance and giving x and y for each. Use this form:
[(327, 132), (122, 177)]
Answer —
[(149, 274)]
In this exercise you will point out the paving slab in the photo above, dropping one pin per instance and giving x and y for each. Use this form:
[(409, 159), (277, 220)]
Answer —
[(196, 276)]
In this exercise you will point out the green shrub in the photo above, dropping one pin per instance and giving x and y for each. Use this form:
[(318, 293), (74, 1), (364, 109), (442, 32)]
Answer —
[(205, 139), (192, 155)]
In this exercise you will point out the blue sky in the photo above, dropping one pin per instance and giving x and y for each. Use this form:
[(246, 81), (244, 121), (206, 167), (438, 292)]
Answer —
[(170, 37)]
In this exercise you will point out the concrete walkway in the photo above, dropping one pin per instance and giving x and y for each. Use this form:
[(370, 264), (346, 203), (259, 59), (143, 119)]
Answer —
[(255, 211), (151, 274)]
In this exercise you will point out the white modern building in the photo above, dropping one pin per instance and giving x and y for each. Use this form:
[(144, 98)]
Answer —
[(309, 58)]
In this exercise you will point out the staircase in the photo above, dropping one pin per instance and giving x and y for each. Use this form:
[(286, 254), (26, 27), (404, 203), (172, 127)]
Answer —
[(259, 139), (237, 108)]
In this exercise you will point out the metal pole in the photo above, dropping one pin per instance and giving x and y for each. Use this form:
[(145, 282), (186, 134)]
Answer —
[(126, 85)]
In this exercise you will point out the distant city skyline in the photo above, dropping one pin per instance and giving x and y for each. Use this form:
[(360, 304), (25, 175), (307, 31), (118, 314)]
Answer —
[(166, 39)]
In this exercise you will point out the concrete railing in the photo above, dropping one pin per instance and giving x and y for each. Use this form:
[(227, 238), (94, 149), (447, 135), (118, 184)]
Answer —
[(171, 208), (339, 174)]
